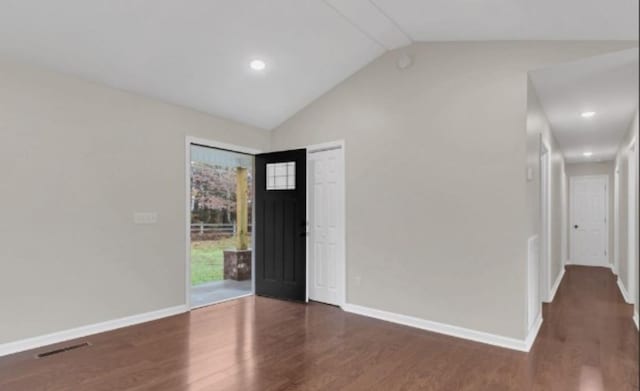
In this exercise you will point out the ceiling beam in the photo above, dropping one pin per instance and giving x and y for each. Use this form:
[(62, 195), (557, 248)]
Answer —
[(369, 19)]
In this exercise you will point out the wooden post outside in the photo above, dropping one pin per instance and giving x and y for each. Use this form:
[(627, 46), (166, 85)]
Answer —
[(242, 208)]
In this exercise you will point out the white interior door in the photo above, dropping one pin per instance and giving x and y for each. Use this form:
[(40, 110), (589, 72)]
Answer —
[(589, 232), (326, 226)]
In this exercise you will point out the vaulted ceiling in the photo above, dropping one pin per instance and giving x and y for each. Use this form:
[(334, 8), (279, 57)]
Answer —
[(196, 53), (604, 86)]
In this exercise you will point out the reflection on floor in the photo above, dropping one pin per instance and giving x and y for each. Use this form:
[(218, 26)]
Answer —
[(587, 342), (216, 291)]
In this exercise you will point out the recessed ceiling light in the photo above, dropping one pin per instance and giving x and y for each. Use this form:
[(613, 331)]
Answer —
[(257, 65), (588, 114), (587, 154)]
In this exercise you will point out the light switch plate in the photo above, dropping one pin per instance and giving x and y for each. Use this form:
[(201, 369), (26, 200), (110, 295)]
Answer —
[(145, 217), (529, 174)]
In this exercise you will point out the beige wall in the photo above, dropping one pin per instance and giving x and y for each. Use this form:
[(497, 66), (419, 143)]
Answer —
[(76, 160), (595, 168), (437, 199), (622, 163), (539, 130)]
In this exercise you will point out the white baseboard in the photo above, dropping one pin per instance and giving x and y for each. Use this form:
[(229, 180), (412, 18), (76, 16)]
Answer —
[(623, 290), (454, 331), (555, 286), (533, 333), (83, 331), (635, 319)]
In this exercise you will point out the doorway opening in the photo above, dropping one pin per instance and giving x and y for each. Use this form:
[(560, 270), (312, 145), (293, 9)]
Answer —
[(220, 213), (545, 267), (285, 240), (590, 167)]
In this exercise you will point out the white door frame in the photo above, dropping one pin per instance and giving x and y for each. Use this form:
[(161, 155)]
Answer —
[(565, 219), (615, 257), (632, 215), (342, 255), (187, 184), (545, 209), (572, 179)]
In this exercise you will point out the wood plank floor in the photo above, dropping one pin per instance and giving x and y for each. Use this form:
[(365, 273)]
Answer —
[(587, 342)]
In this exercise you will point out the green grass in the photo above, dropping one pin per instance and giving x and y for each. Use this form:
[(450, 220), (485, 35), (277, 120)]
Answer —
[(207, 260)]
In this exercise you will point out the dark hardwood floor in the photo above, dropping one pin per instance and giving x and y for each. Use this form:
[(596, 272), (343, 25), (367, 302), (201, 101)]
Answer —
[(587, 342)]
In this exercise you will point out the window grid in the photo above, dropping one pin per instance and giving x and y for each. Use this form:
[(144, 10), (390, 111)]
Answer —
[(281, 176)]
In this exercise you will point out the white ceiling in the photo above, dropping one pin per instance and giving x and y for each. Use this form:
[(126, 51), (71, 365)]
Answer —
[(196, 52), (606, 85), (473, 20)]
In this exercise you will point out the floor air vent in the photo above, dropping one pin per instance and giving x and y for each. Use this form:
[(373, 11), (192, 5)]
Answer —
[(62, 350)]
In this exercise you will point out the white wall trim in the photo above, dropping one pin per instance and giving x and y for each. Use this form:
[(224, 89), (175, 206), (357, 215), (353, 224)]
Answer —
[(616, 219), (614, 269), (632, 213), (534, 294), (564, 239), (83, 331), (533, 333), (623, 290), (453, 331), (555, 286), (545, 222), (635, 319), (221, 145)]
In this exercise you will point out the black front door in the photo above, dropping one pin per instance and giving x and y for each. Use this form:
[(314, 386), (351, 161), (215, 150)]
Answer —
[(281, 214)]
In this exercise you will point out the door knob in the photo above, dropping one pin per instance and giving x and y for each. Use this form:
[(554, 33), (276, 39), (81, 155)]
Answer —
[(575, 226)]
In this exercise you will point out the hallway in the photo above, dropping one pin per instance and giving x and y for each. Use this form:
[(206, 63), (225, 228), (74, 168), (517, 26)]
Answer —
[(587, 342)]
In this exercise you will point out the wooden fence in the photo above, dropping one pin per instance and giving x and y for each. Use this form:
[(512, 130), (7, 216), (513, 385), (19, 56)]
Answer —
[(203, 229)]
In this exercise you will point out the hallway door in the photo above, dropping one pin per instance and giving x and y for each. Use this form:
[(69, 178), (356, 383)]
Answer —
[(326, 225), (588, 220)]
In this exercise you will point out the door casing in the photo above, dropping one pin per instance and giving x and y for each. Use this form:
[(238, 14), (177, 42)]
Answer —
[(236, 148), (615, 257), (632, 216), (545, 208), (189, 140), (342, 256)]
